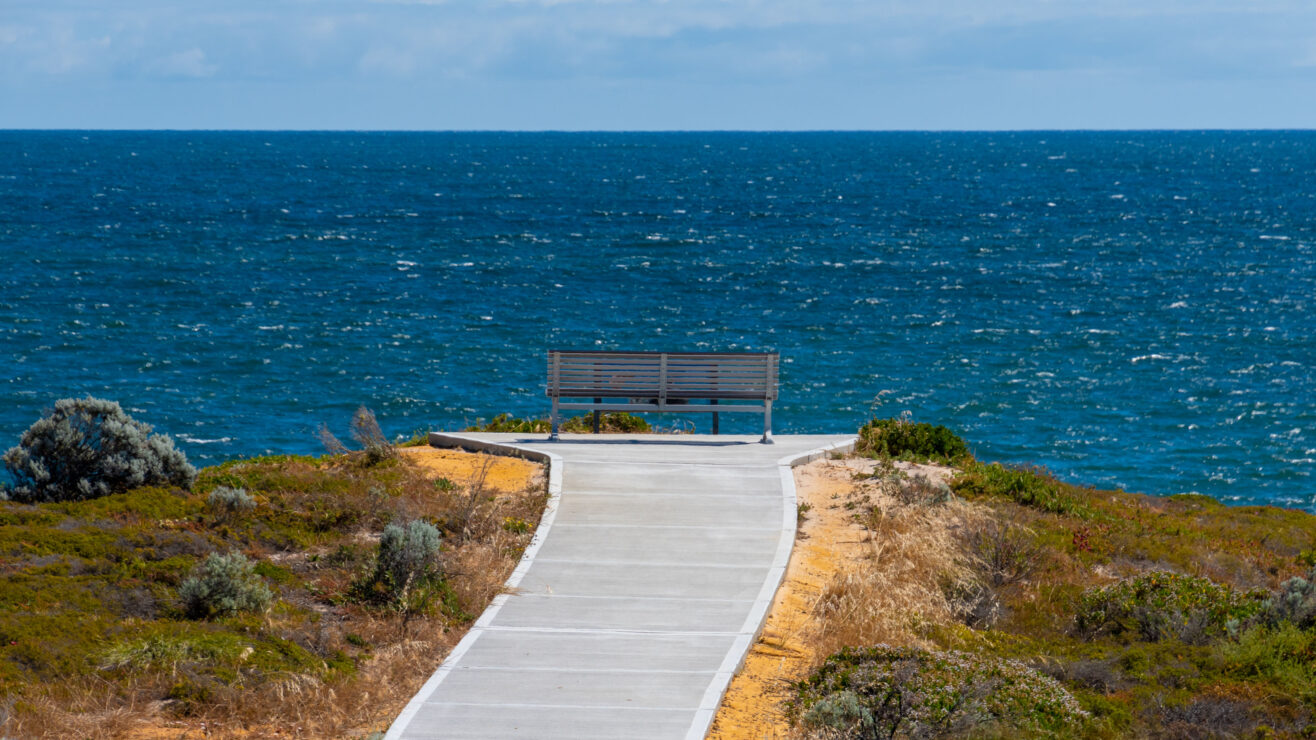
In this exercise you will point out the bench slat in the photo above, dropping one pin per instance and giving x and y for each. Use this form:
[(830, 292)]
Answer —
[(645, 381)]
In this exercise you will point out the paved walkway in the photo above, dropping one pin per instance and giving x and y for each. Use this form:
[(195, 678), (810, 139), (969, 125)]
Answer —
[(647, 582)]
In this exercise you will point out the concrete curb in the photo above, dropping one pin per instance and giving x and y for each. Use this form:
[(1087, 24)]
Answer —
[(436, 439), (758, 615)]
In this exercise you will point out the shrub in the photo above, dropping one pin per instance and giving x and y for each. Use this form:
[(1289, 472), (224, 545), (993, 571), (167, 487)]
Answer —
[(87, 448), (223, 585), (1213, 717), (883, 691), (1295, 602), (226, 501), (506, 423), (614, 423), (406, 565), (1004, 553), (1160, 605), (1028, 486), (1281, 656), (913, 440)]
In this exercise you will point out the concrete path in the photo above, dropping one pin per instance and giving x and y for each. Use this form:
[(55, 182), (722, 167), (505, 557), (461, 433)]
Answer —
[(647, 581)]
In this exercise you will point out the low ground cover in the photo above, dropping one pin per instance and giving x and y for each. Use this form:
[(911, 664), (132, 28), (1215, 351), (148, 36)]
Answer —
[(1172, 617), (260, 601)]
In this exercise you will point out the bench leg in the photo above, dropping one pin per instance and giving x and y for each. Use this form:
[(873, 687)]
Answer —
[(552, 422), (767, 423), (596, 416), (713, 402)]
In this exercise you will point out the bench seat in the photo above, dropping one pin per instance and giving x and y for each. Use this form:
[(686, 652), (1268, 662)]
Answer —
[(663, 381)]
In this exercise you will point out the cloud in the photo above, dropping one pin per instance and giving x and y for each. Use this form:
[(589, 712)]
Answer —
[(190, 63), (675, 45), (743, 39)]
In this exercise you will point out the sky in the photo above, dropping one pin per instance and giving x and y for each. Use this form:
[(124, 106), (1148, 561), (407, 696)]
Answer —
[(657, 65)]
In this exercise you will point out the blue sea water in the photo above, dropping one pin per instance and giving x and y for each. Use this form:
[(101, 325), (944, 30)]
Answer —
[(1127, 309)]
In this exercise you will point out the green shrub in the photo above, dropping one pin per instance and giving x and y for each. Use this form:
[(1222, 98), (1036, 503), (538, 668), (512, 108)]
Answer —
[(506, 423), (1295, 603), (614, 423), (406, 568), (87, 448), (884, 692), (1160, 605), (1028, 486), (224, 585), (1281, 656), (905, 439), (226, 501)]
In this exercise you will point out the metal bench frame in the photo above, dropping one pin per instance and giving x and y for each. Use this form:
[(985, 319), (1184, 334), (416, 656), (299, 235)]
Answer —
[(662, 382)]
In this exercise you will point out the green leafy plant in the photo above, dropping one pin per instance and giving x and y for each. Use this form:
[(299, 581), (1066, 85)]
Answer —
[(613, 423), (224, 585), (1033, 487), (905, 439), (87, 448), (884, 692), (1161, 605)]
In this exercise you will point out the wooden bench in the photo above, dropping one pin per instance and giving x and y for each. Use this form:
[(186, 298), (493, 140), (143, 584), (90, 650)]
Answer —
[(663, 381)]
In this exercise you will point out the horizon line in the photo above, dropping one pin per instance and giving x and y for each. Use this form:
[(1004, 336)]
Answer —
[(1264, 129)]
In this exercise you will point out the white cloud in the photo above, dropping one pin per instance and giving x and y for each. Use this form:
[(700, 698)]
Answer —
[(717, 46), (190, 63)]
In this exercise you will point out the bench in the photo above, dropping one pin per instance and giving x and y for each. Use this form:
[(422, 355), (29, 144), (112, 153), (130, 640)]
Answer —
[(663, 381)]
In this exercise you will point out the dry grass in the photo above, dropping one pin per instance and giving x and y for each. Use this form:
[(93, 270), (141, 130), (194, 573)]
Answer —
[(874, 560), (880, 556), (914, 561)]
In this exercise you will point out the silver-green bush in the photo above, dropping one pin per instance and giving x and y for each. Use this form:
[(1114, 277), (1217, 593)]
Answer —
[(87, 448), (885, 692), (226, 501), (407, 556), (406, 565), (1295, 602), (223, 585)]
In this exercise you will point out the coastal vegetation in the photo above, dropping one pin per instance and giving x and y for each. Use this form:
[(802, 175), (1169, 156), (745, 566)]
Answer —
[(1027, 606), (282, 595), (618, 422), (88, 447)]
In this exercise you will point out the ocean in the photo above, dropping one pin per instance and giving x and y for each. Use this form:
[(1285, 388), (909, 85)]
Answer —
[(1126, 309)]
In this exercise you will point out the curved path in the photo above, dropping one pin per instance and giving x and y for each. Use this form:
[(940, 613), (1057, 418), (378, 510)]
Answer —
[(646, 583)]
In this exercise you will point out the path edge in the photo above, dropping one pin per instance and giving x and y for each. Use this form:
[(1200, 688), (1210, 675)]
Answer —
[(758, 615), (447, 440)]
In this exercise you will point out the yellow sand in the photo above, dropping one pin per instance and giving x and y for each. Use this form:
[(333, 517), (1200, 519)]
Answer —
[(505, 474)]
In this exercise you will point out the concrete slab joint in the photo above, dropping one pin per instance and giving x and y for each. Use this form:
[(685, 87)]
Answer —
[(646, 583)]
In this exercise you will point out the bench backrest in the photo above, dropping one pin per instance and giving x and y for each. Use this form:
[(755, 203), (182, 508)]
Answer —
[(665, 375)]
